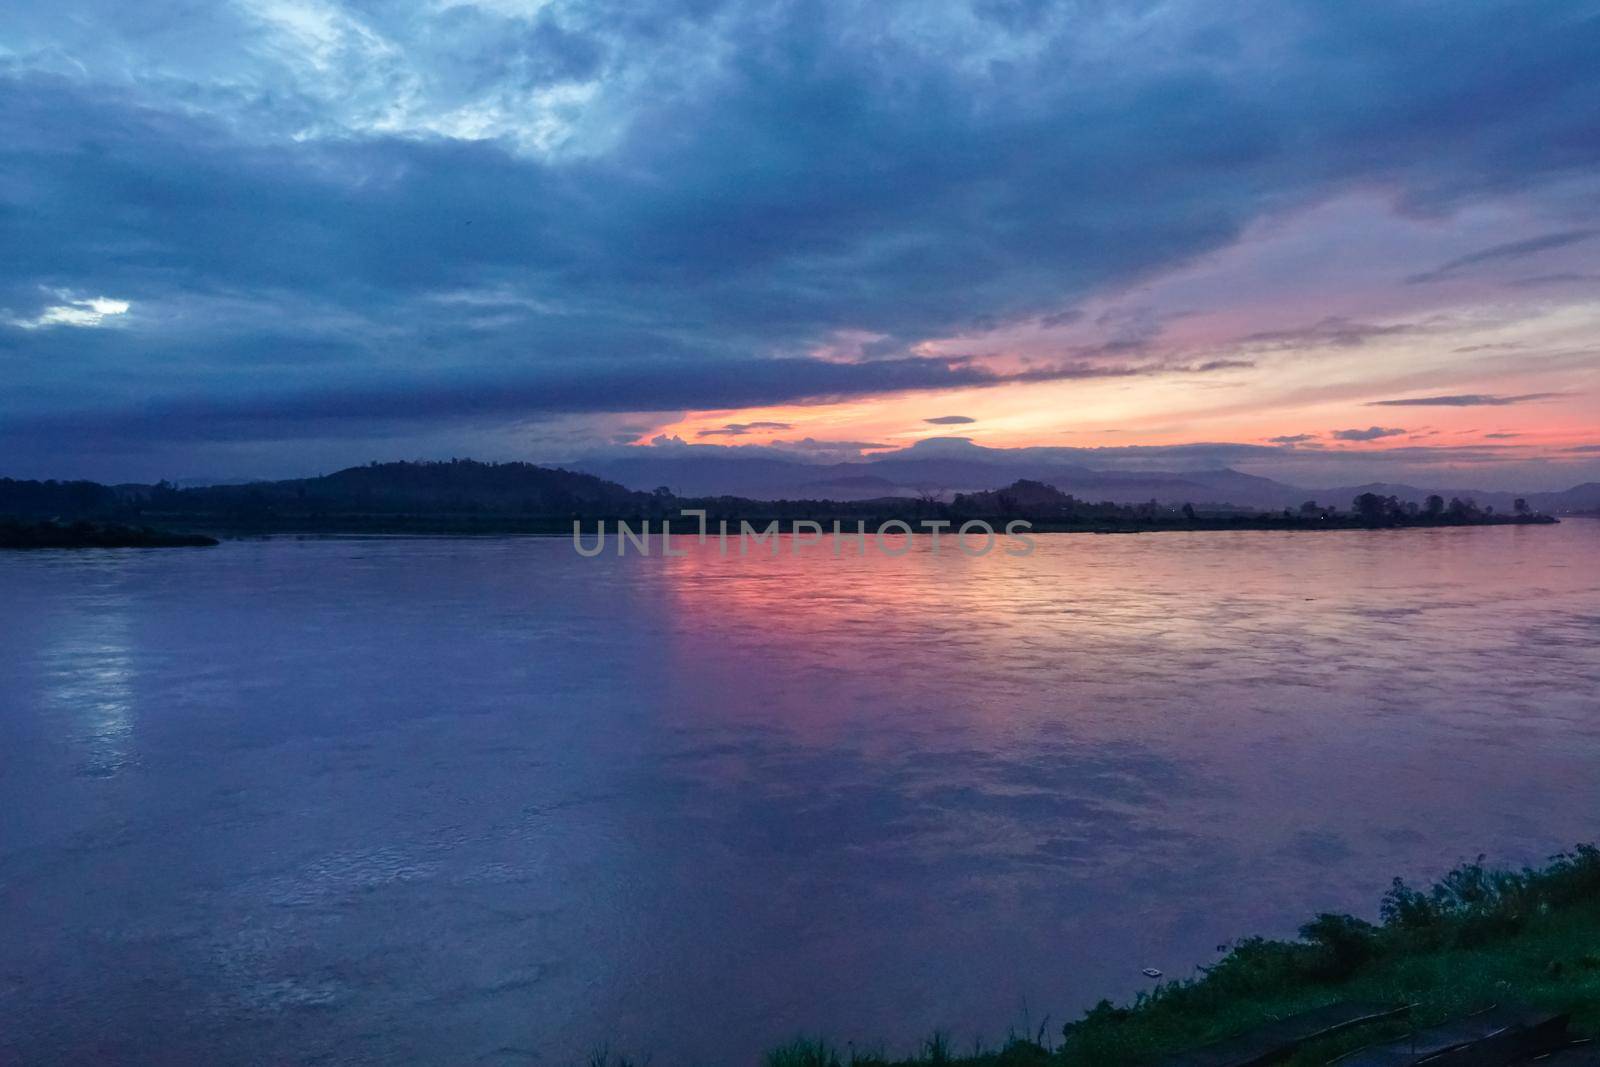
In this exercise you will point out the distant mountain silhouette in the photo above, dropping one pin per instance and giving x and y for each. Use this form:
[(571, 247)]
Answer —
[(946, 472), (761, 478)]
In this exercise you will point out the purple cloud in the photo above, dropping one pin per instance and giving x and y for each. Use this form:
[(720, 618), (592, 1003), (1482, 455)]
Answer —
[(1371, 433), (1463, 400), (739, 429), (1502, 252)]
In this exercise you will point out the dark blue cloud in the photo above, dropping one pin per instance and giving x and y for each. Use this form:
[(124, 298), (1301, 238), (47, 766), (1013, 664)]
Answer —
[(248, 413), (675, 202)]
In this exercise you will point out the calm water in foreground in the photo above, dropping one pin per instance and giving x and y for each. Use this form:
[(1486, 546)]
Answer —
[(483, 801)]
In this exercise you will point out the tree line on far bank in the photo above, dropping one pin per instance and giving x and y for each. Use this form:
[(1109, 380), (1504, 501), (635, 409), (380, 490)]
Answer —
[(467, 496)]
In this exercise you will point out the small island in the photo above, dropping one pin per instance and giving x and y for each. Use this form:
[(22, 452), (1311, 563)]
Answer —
[(84, 534)]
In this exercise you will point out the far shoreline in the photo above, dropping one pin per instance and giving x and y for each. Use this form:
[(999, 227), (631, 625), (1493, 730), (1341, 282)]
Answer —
[(201, 535), (464, 498), (420, 526)]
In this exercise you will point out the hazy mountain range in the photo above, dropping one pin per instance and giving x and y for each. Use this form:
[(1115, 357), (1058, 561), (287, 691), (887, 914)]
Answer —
[(628, 485), (908, 473)]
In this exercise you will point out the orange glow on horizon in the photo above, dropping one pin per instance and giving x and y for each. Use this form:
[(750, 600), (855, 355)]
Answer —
[(1030, 416), (1255, 345)]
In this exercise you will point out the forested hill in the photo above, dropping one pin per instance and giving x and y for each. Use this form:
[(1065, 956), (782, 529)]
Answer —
[(461, 485), (451, 487)]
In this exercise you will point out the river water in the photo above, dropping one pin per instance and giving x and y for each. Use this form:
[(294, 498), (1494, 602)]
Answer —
[(486, 801)]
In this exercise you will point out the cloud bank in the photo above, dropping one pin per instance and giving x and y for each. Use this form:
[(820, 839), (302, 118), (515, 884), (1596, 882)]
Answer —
[(341, 220)]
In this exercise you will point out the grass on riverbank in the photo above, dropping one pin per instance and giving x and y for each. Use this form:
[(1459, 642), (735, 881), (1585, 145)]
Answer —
[(1477, 938)]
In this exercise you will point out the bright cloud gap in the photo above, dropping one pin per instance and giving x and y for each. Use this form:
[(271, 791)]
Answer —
[(89, 312)]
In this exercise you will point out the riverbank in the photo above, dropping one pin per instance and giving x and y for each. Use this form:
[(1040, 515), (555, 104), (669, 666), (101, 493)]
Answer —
[(1479, 937)]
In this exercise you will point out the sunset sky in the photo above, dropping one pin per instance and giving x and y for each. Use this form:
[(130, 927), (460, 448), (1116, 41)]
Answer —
[(1326, 242)]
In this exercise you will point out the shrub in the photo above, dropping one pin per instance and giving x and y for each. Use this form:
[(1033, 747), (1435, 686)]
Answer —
[(1341, 944)]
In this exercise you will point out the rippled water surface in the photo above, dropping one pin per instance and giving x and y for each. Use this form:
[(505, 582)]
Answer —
[(483, 801)]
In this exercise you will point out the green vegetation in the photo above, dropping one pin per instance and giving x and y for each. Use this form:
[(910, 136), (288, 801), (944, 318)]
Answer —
[(1478, 938), (15, 534)]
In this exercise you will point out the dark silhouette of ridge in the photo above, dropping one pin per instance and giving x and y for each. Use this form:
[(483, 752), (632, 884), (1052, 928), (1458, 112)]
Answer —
[(458, 485), (466, 496)]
